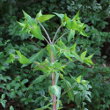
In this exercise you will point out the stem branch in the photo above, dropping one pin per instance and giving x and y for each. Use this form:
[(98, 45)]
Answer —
[(61, 36), (57, 33), (45, 32)]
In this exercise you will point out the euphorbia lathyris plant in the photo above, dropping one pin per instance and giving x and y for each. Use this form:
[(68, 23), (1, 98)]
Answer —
[(57, 52)]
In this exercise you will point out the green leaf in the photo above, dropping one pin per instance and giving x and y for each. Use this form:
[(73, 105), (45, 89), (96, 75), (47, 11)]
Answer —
[(28, 18), (55, 90), (11, 58), (73, 48), (3, 102), (71, 35), (78, 99), (21, 24), (39, 14), (69, 89), (51, 49), (36, 31), (44, 107), (76, 17), (61, 44), (22, 59), (57, 77), (83, 55), (44, 18), (31, 26), (78, 79), (3, 96), (38, 56), (24, 81), (61, 16), (64, 18), (40, 79), (11, 108), (88, 60)]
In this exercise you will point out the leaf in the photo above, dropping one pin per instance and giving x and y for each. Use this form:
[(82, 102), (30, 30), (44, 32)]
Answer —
[(31, 25), (88, 60), (71, 35), (25, 81), (38, 56), (51, 49), (44, 18), (64, 18), (3, 102), (57, 77), (73, 48), (78, 99), (55, 90), (11, 108), (36, 31), (76, 17), (39, 79), (69, 89), (39, 14), (3, 96), (28, 18), (21, 24), (44, 107), (83, 55), (78, 79), (61, 16), (22, 59), (61, 44), (11, 58)]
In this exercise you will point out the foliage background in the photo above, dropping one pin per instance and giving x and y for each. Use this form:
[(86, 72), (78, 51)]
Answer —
[(15, 82)]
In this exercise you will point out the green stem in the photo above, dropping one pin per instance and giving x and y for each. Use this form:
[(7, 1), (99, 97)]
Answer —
[(56, 33), (45, 32), (54, 99)]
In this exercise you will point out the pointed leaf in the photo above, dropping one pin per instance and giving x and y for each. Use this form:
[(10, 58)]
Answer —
[(22, 59), (78, 79), (83, 55), (44, 18), (71, 35), (36, 32), (38, 56), (59, 15), (69, 89), (39, 14), (11, 108), (39, 79), (28, 18)]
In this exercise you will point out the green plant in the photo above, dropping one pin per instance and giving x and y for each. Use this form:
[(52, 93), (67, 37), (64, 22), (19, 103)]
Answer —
[(57, 53), (12, 39)]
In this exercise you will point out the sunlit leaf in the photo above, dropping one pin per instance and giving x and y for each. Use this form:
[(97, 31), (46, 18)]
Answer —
[(83, 55), (78, 79), (55, 90), (22, 59), (36, 32), (71, 35), (44, 18)]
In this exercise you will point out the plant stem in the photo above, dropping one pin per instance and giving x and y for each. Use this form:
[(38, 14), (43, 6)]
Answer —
[(45, 32), (61, 37), (54, 99), (56, 33)]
